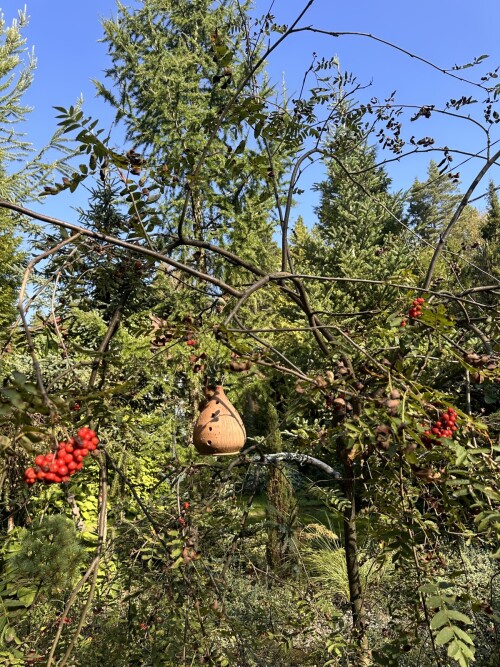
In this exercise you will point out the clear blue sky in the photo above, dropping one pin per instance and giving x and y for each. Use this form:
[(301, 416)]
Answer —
[(65, 38)]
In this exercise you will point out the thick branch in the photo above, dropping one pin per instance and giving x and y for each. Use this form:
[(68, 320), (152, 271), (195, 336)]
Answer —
[(302, 460)]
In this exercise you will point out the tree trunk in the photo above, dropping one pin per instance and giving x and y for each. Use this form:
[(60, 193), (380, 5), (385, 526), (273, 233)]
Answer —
[(352, 563), (280, 515), (281, 504)]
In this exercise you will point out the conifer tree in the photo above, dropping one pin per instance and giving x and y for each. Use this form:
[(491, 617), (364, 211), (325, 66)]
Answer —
[(490, 233), (432, 202), (357, 233), (23, 173), (175, 66), (491, 229), (15, 77)]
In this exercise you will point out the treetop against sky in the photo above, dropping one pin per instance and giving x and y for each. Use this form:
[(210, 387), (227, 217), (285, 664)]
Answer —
[(69, 55)]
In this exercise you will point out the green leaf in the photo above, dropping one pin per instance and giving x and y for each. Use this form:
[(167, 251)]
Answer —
[(440, 619), (458, 616), (434, 602), (460, 652), (177, 563), (26, 596), (445, 635), (428, 588), (463, 635), (19, 378)]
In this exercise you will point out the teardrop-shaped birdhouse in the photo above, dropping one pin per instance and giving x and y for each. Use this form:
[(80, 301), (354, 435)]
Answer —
[(219, 430)]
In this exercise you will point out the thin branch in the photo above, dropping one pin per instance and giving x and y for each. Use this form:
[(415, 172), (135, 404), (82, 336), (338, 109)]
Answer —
[(271, 348), (386, 283), (103, 347), (285, 370), (289, 201), (122, 244), (253, 288), (349, 33)]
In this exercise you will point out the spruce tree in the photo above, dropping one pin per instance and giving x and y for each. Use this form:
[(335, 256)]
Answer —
[(281, 509), (490, 233), (357, 232), (432, 202), (491, 229), (175, 66)]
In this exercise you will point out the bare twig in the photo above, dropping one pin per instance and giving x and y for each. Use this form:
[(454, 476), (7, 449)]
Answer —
[(349, 33)]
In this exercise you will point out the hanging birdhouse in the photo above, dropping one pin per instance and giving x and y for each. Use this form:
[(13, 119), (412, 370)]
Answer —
[(219, 430)]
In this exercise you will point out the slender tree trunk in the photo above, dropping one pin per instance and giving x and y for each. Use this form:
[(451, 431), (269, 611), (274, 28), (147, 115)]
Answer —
[(281, 503), (352, 563)]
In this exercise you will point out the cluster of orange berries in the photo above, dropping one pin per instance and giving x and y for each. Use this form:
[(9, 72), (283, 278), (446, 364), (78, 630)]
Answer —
[(54, 468), (415, 310), (444, 427)]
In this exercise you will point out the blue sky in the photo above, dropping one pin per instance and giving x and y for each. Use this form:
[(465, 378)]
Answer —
[(65, 38)]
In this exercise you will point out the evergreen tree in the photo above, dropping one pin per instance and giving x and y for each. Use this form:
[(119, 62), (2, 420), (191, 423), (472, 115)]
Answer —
[(23, 173), (491, 229), (490, 232), (432, 202), (15, 77), (10, 258), (357, 233), (175, 66)]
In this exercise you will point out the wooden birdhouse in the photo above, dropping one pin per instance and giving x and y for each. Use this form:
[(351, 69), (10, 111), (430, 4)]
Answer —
[(219, 430)]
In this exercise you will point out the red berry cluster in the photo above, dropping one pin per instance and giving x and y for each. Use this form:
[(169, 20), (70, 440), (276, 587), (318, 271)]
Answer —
[(416, 307), (415, 310), (191, 342), (54, 468), (444, 427)]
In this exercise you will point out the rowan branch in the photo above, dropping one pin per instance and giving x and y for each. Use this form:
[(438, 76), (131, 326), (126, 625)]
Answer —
[(122, 244), (429, 63)]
